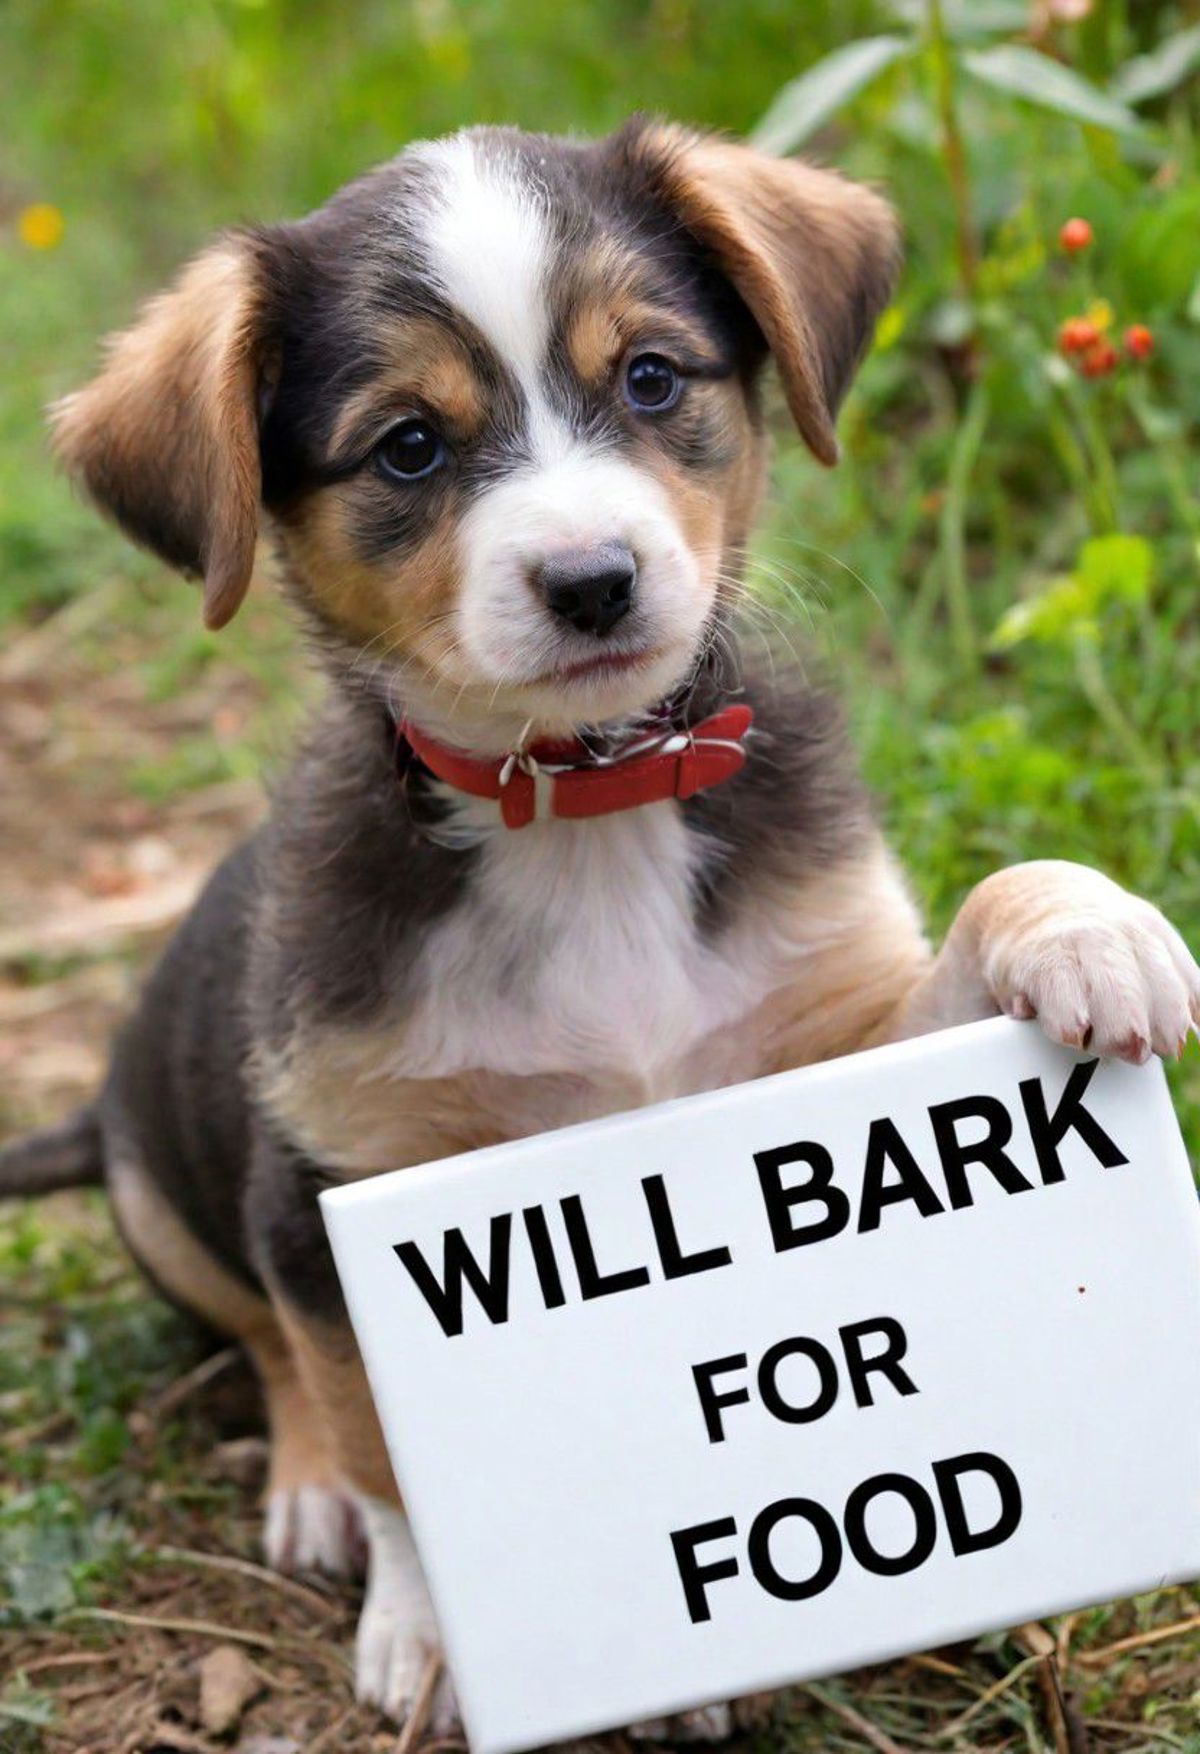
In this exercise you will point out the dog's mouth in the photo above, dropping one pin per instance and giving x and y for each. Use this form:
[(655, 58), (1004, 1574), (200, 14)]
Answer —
[(601, 665)]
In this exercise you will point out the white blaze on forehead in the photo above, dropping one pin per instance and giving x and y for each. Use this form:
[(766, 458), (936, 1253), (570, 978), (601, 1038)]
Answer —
[(489, 248)]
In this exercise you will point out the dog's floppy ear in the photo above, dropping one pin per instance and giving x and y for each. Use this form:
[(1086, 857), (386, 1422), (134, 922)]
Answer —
[(166, 438), (813, 256)]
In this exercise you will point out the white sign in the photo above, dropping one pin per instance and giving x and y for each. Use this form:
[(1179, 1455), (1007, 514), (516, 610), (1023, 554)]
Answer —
[(772, 1382)]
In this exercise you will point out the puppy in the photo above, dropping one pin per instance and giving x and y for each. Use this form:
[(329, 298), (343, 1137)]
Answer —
[(497, 406)]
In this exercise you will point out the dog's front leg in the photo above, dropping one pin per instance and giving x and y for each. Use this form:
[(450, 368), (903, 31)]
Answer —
[(1099, 968)]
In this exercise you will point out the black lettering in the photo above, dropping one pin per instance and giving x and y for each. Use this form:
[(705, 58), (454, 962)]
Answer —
[(956, 1154), (785, 1233), (887, 1362), (924, 1525), (711, 1402), (542, 1249), (768, 1381), (693, 1576), (758, 1547), (460, 1267), (884, 1146), (1048, 1131), (592, 1282), (675, 1264), (964, 1539)]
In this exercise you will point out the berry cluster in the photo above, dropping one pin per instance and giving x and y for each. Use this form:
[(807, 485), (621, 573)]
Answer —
[(1084, 340)]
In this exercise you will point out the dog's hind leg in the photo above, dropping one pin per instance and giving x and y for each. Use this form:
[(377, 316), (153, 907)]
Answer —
[(311, 1524)]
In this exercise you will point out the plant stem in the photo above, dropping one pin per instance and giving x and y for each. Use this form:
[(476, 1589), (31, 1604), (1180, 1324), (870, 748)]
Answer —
[(1071, 456), (953, 523), (1090, 673), (954, 150), (1177, 486), (1103, 468)]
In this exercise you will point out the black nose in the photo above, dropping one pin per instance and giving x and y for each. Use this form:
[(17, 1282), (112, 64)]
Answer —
[(589, 587)]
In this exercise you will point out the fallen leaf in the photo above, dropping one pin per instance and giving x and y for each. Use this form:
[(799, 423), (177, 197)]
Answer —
[(228, 1682)]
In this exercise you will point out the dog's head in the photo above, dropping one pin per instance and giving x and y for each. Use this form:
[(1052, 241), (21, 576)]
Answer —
[(499, 402)]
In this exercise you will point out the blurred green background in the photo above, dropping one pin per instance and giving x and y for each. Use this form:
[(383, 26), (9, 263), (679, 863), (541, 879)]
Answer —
[(1002, 577)]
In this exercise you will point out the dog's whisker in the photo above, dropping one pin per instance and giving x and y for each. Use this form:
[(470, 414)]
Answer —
[(842, 565)]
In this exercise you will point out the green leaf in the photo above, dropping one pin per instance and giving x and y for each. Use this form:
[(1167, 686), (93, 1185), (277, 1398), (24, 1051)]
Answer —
[(1110, 569), (22, 1704), (35, 1563), (103, 1442), (1059, 610), (802, 106), (967, 18), (1160, 71), (1035, 78), (1115, 568)]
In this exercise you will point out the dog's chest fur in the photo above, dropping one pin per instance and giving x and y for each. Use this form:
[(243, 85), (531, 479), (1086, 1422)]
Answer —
[(571, 979), (578, 946)]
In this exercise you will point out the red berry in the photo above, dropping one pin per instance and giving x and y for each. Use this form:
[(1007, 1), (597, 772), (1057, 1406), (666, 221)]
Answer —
[(1139, 342), (1077, 334), (1075, 235), (1099, 360)]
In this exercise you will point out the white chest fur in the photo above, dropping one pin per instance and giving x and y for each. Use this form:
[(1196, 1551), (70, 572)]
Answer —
[(576, 950)]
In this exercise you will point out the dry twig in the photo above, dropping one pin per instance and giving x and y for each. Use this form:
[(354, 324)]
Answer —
[(288, 1586), (152, 1623), (1070, 1737), (861, 1725), (325, 1738), (418, 1717), (1094, 1659), (986, 1697), (72, 1659), (101, 926), (184, 1387)]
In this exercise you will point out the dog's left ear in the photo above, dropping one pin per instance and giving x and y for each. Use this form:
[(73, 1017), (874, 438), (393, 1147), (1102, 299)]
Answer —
[(166, 438), (813, 256)]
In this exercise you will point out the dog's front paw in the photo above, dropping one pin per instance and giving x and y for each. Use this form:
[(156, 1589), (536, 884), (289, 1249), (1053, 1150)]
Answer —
[(1099, 968), (709, 1723), (314, 1528), (397, 1668), (397, 1656)]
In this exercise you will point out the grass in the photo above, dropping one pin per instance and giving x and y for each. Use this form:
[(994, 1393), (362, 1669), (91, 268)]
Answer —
[(1002, 578)]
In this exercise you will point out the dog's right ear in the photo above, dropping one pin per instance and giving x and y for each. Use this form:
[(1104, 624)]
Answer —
[(166, 439)]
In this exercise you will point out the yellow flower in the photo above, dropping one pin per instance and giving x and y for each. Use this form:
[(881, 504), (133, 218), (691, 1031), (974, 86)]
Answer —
[(40, 226), (1100, 313)]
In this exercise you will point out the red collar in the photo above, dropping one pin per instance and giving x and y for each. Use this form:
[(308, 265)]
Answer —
[(569, 780)]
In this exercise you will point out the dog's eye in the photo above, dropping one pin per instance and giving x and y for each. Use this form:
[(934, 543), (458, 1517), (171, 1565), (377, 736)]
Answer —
[(652, 383), (410, 450)]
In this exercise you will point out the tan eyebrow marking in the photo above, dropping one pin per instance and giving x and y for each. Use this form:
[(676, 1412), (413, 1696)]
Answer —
[(602, 328), (428, 368), (593, 341)]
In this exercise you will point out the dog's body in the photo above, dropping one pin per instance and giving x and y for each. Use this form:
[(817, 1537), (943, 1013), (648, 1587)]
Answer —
[(491, 357)]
